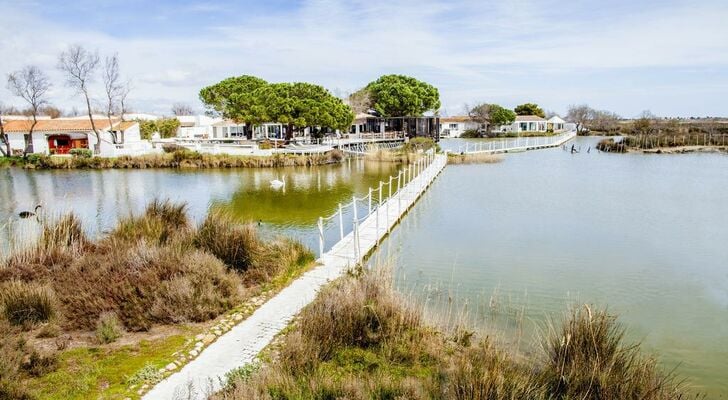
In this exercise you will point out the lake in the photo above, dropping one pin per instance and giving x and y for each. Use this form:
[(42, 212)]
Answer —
[(100, 197), (645, 235)]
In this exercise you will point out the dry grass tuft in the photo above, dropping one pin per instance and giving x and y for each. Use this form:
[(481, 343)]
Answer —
[(234, 243), (27, 303), (479, 158), (361, 340)]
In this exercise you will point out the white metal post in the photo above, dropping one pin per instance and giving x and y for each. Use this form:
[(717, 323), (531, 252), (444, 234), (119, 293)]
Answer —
[(370, 201), (321, 236), (341, 223), (356, 229)]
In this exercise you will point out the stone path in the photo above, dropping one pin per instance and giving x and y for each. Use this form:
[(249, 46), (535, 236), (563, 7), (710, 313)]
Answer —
[(242, 343)]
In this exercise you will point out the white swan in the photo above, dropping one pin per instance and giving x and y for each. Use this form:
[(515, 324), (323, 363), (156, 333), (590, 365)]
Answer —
[(275, 183)]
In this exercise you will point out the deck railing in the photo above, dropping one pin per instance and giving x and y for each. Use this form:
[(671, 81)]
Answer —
[(380, 203), (517, 143)]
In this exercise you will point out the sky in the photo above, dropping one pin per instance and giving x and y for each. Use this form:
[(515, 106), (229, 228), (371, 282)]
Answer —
[(625, 56)]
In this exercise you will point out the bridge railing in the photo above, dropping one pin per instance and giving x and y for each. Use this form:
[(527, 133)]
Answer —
[(378, 202), (517, 143)]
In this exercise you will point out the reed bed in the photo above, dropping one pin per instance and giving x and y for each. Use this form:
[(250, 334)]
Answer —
[(175, 159), (476, 158), (154, 268), (360, 339)]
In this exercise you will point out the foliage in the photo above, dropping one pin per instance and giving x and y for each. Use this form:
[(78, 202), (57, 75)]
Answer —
[(252, 100), (420, 144), (491, 115), (530, 109), (233, 97), (25, 303), (108, 328), (400, 96), (167, 127), (82, 153), (300, 105), (176, 159), (470, 134)]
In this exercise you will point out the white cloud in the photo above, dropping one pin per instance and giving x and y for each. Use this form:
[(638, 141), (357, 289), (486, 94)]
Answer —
[(473, 51)]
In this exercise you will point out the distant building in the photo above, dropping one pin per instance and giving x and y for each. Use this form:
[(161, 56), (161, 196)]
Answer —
[(555, 124), (60, 135), (196, 126), (371, 126), (456, 126)]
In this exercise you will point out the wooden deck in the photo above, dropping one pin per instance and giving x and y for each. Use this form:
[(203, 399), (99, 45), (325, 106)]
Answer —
[(242, 343)]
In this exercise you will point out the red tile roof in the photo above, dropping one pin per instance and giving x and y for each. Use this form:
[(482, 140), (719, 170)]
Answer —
[(64, 125)]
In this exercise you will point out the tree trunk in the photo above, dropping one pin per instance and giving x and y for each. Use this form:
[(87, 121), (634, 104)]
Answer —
[(29, 139), (113, 135), (97, 145), (4, 139), (289, 132)]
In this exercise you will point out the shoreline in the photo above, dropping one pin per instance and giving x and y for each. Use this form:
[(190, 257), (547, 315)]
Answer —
[(174, 160)]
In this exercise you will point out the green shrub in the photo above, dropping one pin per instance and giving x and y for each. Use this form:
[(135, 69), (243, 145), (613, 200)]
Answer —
[(265, 145), (27, 302), (82, 153), (108, 328), (470, 134)]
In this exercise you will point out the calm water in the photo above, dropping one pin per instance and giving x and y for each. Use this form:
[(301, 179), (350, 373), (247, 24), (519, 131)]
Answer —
[(646, 236), (101, 197)]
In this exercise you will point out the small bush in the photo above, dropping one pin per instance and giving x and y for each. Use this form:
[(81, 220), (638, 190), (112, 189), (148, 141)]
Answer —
[(27, 303), (40, 364), (172, 147), (108, 328), (470, 134), (265, 145), (81, 153), (234, 243)]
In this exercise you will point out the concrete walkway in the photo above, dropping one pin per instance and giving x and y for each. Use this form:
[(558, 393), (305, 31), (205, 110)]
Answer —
[(242, 343)]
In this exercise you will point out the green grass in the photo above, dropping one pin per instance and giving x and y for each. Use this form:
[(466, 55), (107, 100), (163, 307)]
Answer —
[(96, 372)]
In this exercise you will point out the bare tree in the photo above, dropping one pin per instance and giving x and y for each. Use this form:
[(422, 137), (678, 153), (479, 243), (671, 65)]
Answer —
[(112, 88), (30, 84), (360, 101), (181, 109), (80, 65), (123, 98), (5, 148), (580, 115)]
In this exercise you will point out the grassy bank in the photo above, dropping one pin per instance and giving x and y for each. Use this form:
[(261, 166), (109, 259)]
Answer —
[(476, 158), (361, 340), (175, 159), (665, 143), (96, 317), (409, 152)]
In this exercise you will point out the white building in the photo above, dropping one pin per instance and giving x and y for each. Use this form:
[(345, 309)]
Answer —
[(229, 129), (60, 135), (196, 126), (556, 124), (456, 126)]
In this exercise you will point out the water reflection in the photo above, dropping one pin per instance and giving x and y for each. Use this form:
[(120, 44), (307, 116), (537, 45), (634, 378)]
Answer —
[(99, 198)]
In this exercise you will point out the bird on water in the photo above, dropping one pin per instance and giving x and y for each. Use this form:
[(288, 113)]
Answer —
[(28, 214)]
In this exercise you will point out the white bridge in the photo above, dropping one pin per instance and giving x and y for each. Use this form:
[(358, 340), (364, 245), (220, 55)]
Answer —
[(517, 144), (346, 237)]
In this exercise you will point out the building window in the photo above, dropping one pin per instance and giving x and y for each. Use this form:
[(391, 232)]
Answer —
[(454, 126)]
